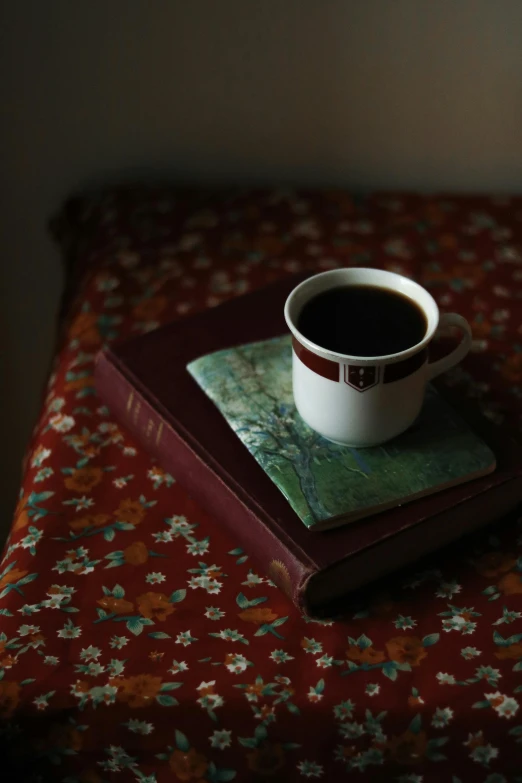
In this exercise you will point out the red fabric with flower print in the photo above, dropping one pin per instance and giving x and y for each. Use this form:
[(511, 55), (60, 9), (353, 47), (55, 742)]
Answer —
[(137, 642)]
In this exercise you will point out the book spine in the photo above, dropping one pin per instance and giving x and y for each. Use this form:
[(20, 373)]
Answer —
[(165, 443)]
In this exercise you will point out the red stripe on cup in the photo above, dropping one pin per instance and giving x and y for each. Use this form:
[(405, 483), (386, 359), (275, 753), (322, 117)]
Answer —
[(400, 370), (317, 364), (331, 370)]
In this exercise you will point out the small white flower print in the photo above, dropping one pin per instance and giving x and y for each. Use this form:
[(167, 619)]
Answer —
[(69, 631), (441, 717), (26, 630), (236, 663), (198, 547), (43, 474), (185, 638), (213, 613), (281, 656), (448, 589), (39, 456), (178, 666), (446, 679), (324, 662), (505, 706), (61, 423), (90, 654), (470, 652), (139, 726), (252, 579), (309, 769), (42, 702), (221, 739), (155, 578), (122, 481), (117, 642)]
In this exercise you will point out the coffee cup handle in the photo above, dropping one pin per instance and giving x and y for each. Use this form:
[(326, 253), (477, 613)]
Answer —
[(463, 348)]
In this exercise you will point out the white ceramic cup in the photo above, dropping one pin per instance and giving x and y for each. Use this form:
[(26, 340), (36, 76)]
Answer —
[(365, 401)]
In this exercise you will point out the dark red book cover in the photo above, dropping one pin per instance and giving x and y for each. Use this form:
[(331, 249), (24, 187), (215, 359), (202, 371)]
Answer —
[(145, 383)]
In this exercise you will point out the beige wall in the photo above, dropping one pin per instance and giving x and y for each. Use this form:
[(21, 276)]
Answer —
[(370, 93)]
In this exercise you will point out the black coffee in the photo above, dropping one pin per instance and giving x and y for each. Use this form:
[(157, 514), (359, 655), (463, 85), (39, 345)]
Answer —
[(362, 320)]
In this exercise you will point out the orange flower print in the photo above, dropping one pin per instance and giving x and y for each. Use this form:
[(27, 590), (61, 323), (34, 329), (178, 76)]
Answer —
[(137, 691), (255, 687), (493, 564), (79, 440), (350, 750), (79, 383), (23, 500), (8, 662), (509, 652), (207, 689), (9, 697), (189, 765), (91, 450), (475, 740), (21, 521), (512, 368), (37, 640), (257, 616), (79, 687), (149, 309), (65, 736), (369, 655), (91, 520), (495, 699), (84, 479), (480, 328), (408, 748), (266, 712), (136, 553), (406, 649), (511, 583), (267, 759), (155, 606), (84, 328), (115, 605), (12, 576), (130, 511), (20, 514)]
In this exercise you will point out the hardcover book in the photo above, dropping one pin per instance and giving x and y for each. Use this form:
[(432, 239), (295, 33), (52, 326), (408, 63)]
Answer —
[(325, 483), (146, 384)]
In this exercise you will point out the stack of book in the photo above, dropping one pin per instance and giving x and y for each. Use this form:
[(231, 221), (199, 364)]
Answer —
[(211, 398)]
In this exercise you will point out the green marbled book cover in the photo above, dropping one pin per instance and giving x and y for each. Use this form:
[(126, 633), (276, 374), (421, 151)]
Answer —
[(327, 484)]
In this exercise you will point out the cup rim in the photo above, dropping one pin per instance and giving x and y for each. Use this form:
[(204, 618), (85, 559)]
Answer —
[(370, 360)]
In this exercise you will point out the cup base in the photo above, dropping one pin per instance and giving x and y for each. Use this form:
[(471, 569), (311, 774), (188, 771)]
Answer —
[(366, 445), (357, 445)]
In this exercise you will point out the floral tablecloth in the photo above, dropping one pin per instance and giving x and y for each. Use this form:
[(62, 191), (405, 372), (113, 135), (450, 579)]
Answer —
[(137, 642)]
